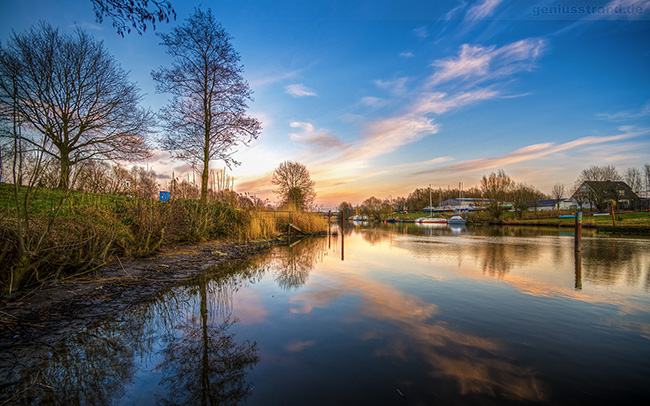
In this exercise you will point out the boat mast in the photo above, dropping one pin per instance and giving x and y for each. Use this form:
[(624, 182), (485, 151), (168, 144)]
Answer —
[(430, 202)]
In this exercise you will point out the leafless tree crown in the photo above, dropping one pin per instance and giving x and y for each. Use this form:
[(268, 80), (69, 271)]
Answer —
[(294, 184), (69, 89)]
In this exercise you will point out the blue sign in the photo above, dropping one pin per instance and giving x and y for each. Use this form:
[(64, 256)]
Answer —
[(164, 196)]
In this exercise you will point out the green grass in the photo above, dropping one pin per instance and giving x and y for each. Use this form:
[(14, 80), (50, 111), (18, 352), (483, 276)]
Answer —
[(45, 200), (546, 217), (622, 219)]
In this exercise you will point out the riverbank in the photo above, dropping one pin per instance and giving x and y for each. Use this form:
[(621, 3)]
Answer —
[(33, 321)]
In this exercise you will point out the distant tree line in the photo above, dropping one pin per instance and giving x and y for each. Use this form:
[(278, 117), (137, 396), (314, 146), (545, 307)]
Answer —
[(500, 193)]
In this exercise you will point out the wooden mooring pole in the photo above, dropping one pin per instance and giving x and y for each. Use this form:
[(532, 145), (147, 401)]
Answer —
[(343, 237), (578, 269), (578, 232), (329, 222)]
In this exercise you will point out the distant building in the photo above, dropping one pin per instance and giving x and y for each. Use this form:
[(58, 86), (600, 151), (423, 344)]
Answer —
[(552, 204), (458, 205), (603, 195)]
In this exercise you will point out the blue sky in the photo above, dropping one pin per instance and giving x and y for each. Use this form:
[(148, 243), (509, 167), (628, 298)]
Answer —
[(381, 97)]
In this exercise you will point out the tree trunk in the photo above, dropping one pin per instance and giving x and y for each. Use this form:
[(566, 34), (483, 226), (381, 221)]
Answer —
[(204, 182), (64, 175)]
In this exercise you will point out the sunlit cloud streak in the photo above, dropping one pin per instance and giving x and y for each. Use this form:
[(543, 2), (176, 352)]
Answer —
[(476, 64), (534, 151)]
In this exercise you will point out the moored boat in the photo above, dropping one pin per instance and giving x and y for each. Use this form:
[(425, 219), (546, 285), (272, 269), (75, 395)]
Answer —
[(432, 220), (456, 220)]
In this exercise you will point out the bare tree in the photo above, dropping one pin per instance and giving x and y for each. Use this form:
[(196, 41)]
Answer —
[(599, 173), (522, 196), (294, 185), (634, 179), (143, 183), (346, 209), (558, 194), (133, 13), (206, 119), (372, 206), (69, 89), (496, 188), (646, 175)]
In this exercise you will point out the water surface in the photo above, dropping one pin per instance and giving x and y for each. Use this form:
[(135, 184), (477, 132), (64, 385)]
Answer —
[(392, 314)]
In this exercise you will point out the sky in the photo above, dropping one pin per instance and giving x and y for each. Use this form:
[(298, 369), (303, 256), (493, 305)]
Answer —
[(378, 98)]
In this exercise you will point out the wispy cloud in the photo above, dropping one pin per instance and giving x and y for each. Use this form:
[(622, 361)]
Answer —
[(318, 138), (534, 151), (449, 15), (386, 135), (482, 10), (374, 102), (476, 63), (642, 112), (271, 78), (299, 90), (396, 86), (408, 54), (421, 32), (439, 102)]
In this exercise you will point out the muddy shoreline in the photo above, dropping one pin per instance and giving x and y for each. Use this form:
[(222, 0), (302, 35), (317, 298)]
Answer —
[(33, 322)]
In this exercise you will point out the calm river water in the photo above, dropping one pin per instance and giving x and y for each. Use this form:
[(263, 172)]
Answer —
[(393, 314)]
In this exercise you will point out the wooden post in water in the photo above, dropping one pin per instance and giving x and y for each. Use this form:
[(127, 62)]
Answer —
[(342, 237), (578, 232), (578, 269), (329, 222), (329, 229)]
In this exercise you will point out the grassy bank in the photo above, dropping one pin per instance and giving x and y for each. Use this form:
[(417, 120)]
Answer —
[(57, 236), (641, 219)]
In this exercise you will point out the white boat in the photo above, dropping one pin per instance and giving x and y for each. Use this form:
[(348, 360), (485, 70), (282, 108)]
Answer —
[(357, 218), (431, 219), (456, 220)]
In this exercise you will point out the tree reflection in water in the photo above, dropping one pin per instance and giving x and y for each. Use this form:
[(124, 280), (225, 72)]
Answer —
[(89, 368), (295, 262), (202, 363)]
